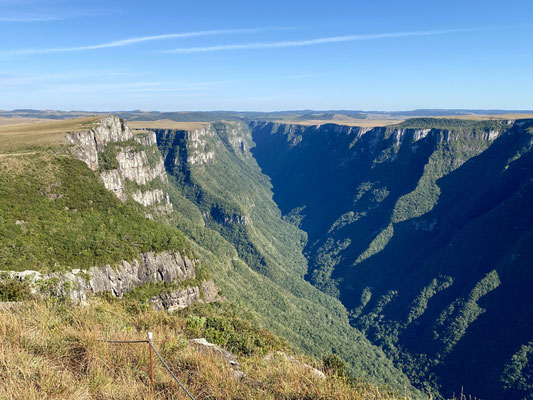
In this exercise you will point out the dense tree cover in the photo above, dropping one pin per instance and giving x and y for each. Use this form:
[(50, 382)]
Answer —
[(56, 215), (424, 235), (425, 270), (257, 256)]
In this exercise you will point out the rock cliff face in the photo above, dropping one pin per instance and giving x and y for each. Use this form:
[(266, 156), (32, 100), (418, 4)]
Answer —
[(114, 182), (168, 267), (134, 165), (198, 146), (131, 157), (87, 144), (420, 230), (179, 299), (147, 268), (151, 197)]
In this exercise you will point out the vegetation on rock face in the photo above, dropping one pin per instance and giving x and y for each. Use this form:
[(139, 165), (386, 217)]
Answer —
[(142, 294), (12, 289), (56, 215), (258, 255), (423, 231)]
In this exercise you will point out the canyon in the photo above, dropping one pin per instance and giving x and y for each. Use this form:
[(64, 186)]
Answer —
[(403, 249)]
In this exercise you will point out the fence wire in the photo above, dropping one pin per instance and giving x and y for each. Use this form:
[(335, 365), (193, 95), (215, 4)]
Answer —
[(158, 356)]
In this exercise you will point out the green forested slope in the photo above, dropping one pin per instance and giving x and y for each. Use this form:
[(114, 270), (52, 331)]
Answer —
[(256, 256), (55, 215), (424, 233)]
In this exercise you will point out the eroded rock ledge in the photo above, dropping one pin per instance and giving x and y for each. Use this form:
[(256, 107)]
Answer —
[(133, 163), (87, 144), (179, 299), (79, 285)]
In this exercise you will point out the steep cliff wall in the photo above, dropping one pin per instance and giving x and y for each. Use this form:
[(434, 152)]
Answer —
[(66, 222), (117, 280), (421, 231), (129, 165), (258, 255)]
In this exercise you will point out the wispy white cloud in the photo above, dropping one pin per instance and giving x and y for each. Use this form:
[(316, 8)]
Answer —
[(28, 17), (31, 18), (310, 42), (10, 78), (135, 40), (65, 84)]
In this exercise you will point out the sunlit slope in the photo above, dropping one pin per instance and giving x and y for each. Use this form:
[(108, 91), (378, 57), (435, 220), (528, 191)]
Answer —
[(262, 268)]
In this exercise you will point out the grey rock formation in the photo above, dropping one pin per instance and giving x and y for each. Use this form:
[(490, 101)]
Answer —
[(77, 284), (203, 345), (210, 291), (134, 165), (84, 147), (114, 182), (206, 346), (177, 299), (148, 139), (182, 298), (88, 143), (152, 197), (197, 145)]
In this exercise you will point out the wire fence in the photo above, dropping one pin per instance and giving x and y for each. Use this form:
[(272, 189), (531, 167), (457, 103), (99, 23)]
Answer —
[(151, 346)]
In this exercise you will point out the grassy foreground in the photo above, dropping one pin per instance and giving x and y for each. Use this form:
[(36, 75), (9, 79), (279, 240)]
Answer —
[(52, 350)]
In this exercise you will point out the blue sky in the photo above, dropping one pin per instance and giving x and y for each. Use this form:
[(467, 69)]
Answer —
[(265, 55)]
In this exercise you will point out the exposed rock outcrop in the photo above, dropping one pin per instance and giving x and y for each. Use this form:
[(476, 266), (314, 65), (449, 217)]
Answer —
[(210, 291), (147, 139), (177, 299), (87, 144), (198, 146), (203, 345), (147, 268), (114, 182), (133, 164), (150, 197)]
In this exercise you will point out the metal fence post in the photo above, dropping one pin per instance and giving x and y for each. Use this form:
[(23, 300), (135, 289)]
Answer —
[(151, 358)]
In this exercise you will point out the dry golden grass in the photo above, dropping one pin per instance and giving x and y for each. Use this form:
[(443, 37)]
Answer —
[(21, 120), (375, 122), (167, 124), (50, 350), (489, 117), (363, 123), (17, 136), (371, 122)]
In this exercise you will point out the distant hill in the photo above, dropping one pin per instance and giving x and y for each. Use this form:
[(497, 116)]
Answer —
[(293, 115)]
